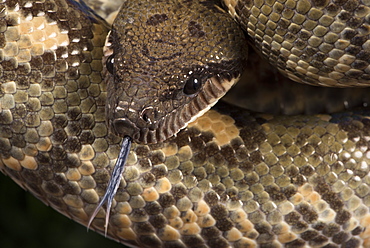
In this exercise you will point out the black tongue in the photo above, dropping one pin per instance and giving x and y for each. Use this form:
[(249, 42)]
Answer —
[(113, 182)]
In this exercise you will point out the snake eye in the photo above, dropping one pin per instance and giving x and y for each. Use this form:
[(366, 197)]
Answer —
[(110, 63), (192, 86)]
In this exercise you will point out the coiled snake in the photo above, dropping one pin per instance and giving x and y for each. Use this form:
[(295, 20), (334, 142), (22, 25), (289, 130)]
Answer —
[(231, 178)]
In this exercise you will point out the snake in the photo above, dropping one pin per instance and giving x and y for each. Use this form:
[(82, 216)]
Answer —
[(194, 176)]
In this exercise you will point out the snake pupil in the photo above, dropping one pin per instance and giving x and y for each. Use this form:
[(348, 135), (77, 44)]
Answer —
[(192, 86), (110, 63)]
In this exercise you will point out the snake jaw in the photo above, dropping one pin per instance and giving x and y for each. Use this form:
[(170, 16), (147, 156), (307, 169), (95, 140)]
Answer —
[(214, 89), (148, 129), (154, 123)]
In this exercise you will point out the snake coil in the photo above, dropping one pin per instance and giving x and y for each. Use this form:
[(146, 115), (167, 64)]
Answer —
[(230, 178)]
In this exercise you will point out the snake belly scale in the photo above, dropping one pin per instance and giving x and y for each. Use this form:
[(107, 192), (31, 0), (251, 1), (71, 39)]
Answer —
[(231, 178)]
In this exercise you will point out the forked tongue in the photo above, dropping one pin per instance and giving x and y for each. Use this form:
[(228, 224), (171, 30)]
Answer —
[(113, 182)]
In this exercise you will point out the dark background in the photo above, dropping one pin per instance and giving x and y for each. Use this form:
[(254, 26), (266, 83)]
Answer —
[(26, 222)]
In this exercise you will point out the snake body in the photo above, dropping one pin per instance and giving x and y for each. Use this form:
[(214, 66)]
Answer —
[(231, 178)]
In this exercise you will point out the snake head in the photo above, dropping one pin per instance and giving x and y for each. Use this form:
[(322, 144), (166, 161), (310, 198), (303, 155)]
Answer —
[(167, 64)]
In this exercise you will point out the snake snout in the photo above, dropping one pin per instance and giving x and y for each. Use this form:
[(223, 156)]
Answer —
[(145, 128), (124, 126)]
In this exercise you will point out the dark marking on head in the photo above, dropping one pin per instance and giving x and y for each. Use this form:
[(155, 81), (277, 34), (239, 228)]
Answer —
[(195, 29), (156, 19)]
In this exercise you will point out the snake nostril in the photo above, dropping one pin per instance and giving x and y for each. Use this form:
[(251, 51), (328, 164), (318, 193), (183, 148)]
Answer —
[(146, 117), (149, 115)]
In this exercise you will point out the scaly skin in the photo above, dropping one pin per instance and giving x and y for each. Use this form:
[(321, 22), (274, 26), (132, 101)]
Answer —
[(231, 178)]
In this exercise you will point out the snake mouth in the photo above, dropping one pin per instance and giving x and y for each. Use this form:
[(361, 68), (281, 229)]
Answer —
[(169, 125)]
